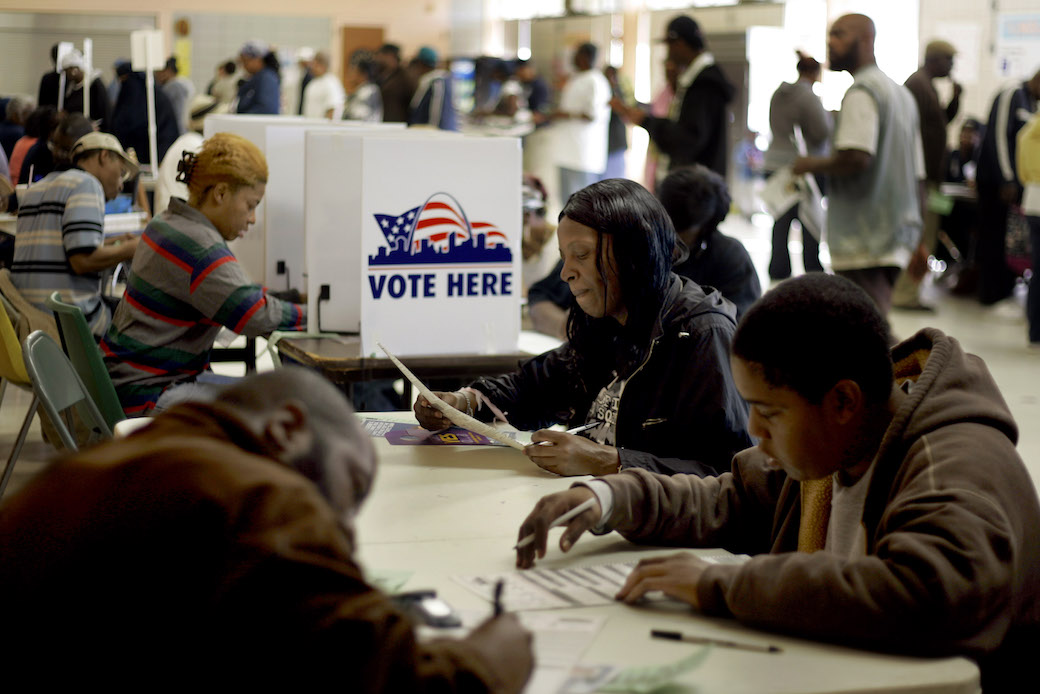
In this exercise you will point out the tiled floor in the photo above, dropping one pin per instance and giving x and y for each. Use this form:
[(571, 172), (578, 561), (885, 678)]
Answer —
[(996, 334)]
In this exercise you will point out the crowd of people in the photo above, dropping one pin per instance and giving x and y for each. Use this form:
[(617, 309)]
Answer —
[(875, 484)]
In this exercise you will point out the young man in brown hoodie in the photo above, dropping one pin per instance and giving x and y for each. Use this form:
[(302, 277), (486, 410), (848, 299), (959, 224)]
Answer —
[(884, 506)]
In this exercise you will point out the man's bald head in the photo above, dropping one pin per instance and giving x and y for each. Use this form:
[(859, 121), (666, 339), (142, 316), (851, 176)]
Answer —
[(308, 425), (850, 42)]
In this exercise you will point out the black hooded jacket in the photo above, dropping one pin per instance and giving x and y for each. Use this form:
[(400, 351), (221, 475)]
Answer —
[(699, 136), (680, 410)]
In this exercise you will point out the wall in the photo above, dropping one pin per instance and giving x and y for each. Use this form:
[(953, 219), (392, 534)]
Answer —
[(411, 23)]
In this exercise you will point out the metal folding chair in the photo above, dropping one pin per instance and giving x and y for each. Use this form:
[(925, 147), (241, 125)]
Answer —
[(60, 391), (12, 370), (78, 343)]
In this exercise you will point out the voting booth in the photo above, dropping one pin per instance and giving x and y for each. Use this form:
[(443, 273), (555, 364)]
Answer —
[(414, 240), (272, 251)]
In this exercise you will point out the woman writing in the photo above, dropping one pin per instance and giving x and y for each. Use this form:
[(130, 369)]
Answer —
[(647, 354), (185, 283)]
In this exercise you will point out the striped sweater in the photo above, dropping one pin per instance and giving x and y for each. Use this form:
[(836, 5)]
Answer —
[(61, 215), (183, 286)]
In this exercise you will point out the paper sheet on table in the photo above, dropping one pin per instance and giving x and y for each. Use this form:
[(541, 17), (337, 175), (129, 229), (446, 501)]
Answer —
[(577, 586), (559, 643), (455, 416), (647, 678), (389, 581)]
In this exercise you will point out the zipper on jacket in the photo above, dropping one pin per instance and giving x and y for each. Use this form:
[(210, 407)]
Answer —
[(649, 354)]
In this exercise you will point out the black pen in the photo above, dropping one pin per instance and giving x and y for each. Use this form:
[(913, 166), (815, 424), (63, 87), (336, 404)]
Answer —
[(686, 638), (499, 585)]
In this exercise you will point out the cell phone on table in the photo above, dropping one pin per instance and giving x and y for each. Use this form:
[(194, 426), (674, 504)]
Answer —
[(426, 608)]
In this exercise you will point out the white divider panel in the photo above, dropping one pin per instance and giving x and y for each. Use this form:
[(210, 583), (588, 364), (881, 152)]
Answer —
[(417, 239), (277, 234)]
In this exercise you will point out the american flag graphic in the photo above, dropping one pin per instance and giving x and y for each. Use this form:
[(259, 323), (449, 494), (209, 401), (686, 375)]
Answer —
[(436, 221)]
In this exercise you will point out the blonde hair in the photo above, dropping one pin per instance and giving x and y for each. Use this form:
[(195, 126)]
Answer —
[(224, 158)]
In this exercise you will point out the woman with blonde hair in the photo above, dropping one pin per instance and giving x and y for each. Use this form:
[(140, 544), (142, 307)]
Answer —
[(185, 283)]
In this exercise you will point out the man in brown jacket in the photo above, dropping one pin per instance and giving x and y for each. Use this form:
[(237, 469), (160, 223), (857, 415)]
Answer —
[(910, 485), (217, 543)]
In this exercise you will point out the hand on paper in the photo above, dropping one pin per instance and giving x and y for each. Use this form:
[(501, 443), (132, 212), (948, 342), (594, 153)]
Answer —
[(676, 575), (571, 455), (430, 417), (506, 649), (548, 509)]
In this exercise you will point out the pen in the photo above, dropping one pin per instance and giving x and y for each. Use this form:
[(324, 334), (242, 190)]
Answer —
[(576, 430), (562, 520), (499, 584), (679, 636)]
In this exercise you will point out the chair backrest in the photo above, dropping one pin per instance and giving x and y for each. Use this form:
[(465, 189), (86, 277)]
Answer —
[(78, 343), (59, 388), (12, 366)]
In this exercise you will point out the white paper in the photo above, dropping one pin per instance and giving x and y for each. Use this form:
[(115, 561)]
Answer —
[(458, 418), (577, 586)]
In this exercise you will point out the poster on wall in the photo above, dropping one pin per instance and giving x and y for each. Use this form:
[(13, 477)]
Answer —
[(1018, 44)]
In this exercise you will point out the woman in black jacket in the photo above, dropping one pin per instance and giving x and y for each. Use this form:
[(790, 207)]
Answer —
[(647, 354)]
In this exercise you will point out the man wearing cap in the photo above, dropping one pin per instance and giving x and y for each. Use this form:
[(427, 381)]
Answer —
[(178, 89), (323, 97), (938, 62), (261, 92), (875, 168), (695, 130), (60, 244), (73, 64), (432, 103)]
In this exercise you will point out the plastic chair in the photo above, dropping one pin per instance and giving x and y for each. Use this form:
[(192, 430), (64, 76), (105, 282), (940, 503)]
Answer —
[(78, 343), (12, 369), (59, 388)]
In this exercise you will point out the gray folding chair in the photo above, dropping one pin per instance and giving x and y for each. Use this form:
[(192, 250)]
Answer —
[(60, 391)]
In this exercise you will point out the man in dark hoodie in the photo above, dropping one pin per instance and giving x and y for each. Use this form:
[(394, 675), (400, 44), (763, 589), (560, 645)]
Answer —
[(695, 130), (884, 506)]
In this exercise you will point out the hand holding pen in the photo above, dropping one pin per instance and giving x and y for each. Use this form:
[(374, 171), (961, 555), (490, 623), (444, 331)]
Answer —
[(566, 453)]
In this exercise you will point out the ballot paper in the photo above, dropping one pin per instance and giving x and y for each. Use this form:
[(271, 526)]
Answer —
[(647, 678), (458, 418), (388, 580), (559, 643), (577, 586)]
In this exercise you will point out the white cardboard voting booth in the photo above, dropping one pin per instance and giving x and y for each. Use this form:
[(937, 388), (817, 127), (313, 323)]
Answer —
[(272, 252), (415, 240)]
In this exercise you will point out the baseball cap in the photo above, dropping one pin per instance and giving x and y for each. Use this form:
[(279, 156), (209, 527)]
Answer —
[(254, 48), (95, 141), (940, 47), (685, 29), (427, 56)]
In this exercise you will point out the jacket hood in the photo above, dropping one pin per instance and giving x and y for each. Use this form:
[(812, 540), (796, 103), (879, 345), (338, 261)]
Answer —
[(949, 387), (712, 76), (699, 300)]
